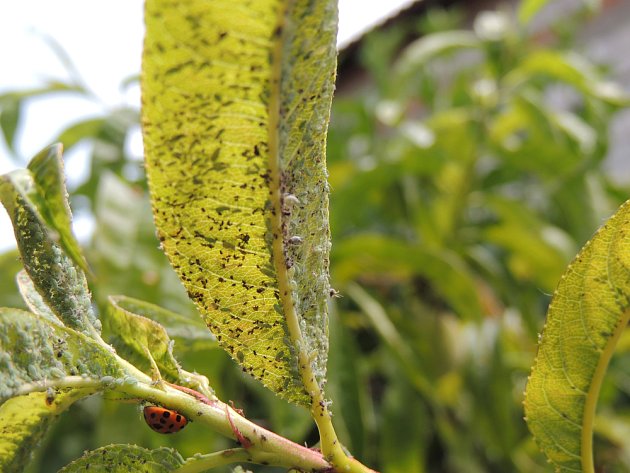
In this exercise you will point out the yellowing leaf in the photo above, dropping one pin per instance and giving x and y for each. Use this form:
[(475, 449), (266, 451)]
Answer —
[(23, 422), (188, 332), (236, 101), (138, 336), (589, 311)]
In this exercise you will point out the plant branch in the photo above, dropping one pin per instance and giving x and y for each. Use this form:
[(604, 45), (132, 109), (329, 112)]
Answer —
[(331, 448), (267, 448), (200, 463), (75, 382)]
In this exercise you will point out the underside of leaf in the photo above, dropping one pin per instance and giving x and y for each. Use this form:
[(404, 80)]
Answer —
[(61, 284), (44, 350), (235, 110)]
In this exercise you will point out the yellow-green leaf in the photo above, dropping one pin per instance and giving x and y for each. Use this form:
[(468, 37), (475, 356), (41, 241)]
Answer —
[(188, 332), (23, 422), (144, 341), (589, 311), (52, 199), (141, 341), (126, 458), (61, 284), (236, 101), (34, 349)]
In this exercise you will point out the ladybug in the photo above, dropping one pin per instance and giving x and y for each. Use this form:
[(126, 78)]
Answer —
[(164, 421)]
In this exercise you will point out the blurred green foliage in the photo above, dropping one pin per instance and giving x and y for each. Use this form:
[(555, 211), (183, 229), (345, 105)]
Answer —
[(466, 171)]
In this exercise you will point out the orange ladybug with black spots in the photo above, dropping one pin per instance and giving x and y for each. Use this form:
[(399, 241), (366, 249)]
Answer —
[(164, 421)]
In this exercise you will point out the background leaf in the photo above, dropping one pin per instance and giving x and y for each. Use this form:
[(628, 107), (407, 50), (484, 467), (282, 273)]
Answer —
[(528, 9), (11, 107), (367, 255), (10, 265), (571, 68), (589, 311)]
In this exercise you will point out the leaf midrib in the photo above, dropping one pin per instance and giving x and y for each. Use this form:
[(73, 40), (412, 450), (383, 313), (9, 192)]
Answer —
[(590, 402), (290, 314)]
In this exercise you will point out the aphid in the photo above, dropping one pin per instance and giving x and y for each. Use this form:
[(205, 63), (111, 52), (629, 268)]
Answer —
[(164, 421)]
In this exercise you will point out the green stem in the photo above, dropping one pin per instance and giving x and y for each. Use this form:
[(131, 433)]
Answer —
[(590, 403), (331, 448), (200, 463), (266, 448), (75, 382)]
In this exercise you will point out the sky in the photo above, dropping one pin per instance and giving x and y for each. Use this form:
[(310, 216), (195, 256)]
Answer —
[(104, 41)]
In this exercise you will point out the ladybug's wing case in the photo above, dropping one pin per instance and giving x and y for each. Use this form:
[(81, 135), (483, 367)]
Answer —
[(164, 421)]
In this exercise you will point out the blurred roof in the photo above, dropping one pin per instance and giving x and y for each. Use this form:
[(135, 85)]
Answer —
[(379, 12)]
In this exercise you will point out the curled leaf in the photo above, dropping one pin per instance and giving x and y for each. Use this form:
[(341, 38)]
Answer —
[(61, 284), (188, 332), (145, 342), (51, 198), (33, 299)]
